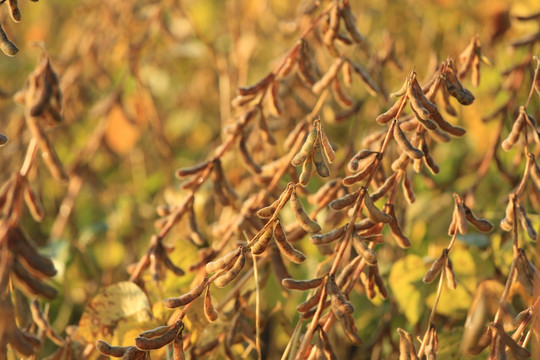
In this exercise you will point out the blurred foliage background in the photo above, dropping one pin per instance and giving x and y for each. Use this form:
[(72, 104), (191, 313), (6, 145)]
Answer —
[(147, 89)]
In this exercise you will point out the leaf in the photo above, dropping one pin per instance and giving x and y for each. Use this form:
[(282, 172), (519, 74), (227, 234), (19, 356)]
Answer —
[(449, 342), (406, 283), (456, 302), (475, 239), (120, 124), (123, 302)]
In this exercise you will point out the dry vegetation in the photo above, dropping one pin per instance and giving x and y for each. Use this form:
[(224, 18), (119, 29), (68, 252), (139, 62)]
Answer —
[(353, 180)]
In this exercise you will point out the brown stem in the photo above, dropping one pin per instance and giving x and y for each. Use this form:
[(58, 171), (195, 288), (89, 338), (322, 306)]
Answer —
[(536, 74), (437, 298), (314, 323), (344, 242)]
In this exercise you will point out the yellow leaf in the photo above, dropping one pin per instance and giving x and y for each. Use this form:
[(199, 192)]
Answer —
[(123, 302), (406, 283)]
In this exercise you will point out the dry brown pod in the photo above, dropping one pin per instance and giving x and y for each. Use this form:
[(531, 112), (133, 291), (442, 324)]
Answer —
[(350, 23), (408, 189), (379, 282), (28, 254), (327, 148), (302, 217), (449, 273), (107, 349), (285, 246), (7, 47), (421, 96), (341, 97), (391, 113), (327, 345), (535, 169), (307, 168), (222, 262), (246, 156), (397, 233), (460, 215), (187, 297), (526, 222), (178, 347), (501, 340), (481, 224), (507, 223), (274, 98), (385, 187), (262, 243), (354, 163), (308, 70), (362, 174), (192, 170), (467, 57), (325, 80), (362, 249), (415, 103), (428, 159), (374, 213), (436, 267), (405, 144), (401, 162), (350, 329), (524, 316), (527, 273), (447, 105), (340, 305), (364, 224), (407, 350), (346, 72), (454, 86), (369, 284), (319, 161), (267, 211), (16, 339), (48, 154), (330, 30), (160, 341), (371, 87), (257, 87), (402, 91), (229, 275), (3, 139), (302, 285), (320, 239), (310, 302), (14, 10), (29, 283), (446, 126), (347, 271), (209, 310), (432, 343), (513, 136), (171, 266), (306, 149)]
